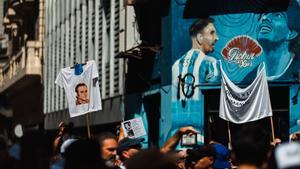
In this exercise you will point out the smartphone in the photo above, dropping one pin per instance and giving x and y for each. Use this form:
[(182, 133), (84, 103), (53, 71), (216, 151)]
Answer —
[(188, 140)]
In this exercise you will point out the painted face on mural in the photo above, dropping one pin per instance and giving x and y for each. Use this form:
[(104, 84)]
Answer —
[(208, 38), (273, 27)]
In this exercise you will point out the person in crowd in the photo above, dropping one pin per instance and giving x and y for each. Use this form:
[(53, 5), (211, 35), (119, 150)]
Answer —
[(201, 157), (58, 138), (250, 147), (295, 137), (36, 150), (178, 157), (150, 159), (64, 133), (59, 161), (287, 156), (83, 154), (222, 159), (108, 148), (170, 145), (127, 148), (6, 162), (173, 141), (276, 142)]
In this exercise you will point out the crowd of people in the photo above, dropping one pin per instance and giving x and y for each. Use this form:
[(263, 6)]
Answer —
[(251, 149)]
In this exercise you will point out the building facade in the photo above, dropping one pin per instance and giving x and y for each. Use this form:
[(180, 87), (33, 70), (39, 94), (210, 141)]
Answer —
[(21, 61), (236, 23), (82, 30)]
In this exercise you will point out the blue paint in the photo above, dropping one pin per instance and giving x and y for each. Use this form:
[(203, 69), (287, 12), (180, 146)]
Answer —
[(294, 110), (145, 122), (176, 42), (228, 27)]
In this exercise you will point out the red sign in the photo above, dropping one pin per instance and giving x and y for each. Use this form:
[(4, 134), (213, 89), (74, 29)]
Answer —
[(241, 50)]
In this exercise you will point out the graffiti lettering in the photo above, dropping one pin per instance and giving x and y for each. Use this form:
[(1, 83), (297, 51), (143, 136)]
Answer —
[(243, 59), (241, 50)]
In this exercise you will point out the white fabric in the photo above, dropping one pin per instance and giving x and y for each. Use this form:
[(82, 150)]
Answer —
[(192, 62), (239, 105), (68, 80), (186, 63), (66, 144), (287, 155)]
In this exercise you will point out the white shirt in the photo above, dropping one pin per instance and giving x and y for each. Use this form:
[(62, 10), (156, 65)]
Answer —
[(82, 90)]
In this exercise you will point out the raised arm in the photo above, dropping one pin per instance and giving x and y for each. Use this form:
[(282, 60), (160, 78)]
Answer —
[(173, 141)]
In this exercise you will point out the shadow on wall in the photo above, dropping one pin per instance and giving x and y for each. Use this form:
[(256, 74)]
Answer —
[(220, 7)]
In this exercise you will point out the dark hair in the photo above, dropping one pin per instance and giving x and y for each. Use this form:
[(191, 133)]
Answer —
[(251, 145), (199, 25), (105, 135), (36, 150), (83, 154), (3, 144), (195, 154), (150, 159), (78, 85)]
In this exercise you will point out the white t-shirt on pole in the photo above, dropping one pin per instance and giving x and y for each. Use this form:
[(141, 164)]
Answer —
[(82, 90)]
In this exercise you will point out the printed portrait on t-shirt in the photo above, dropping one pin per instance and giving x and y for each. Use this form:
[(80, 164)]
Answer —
[(82, 95)]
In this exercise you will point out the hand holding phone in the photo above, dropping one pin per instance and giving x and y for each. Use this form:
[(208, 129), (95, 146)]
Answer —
[(189, 139)]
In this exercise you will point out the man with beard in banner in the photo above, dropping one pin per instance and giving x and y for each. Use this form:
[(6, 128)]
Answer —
[(190, 70)]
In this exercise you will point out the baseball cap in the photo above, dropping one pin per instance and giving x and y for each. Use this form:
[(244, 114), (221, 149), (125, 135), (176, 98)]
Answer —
[(222, 156), (66, 144), (199, 152), (287, 155), (127, 143)]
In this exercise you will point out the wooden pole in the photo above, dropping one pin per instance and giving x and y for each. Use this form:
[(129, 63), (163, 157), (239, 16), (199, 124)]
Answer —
[(229, 135), (88, 125), (272, 127)]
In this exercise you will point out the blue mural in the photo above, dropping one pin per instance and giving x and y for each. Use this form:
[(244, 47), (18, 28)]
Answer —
[(295, 109), (277, 34), (192, 69), (243, 42)]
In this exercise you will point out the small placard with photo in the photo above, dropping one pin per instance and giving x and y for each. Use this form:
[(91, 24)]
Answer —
[(133, 128)]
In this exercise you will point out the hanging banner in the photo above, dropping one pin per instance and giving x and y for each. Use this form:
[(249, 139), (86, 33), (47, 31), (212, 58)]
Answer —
[(241, 105)]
